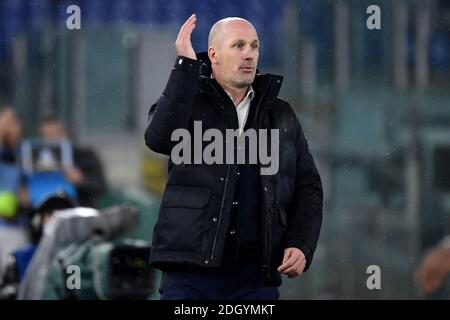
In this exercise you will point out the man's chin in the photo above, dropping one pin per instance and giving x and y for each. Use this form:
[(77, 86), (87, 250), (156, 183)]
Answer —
[(244, 83)]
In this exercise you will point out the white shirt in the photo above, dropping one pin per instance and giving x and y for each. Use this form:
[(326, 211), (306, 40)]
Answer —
[(243, 107)]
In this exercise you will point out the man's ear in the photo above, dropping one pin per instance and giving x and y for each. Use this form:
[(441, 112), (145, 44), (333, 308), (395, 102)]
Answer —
[(212, 55)]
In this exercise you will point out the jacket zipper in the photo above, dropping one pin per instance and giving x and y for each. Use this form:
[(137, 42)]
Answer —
[(221, 213), (222, 204), (227, 177), (268, 235), (266, 211)]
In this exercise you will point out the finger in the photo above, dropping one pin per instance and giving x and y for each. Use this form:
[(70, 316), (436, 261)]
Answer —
[(188, 31), (431, 280), (295, 267), (184, 39), (430, 285), (287, 254), (289, 262), (181, 33), (186, 23), (296, 272), (292, 259), (185, 27), (425, 282), (302, 267), (427, 274)]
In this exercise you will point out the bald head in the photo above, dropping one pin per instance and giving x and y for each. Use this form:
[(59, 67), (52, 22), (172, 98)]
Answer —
[(233, 49), (224, 26)]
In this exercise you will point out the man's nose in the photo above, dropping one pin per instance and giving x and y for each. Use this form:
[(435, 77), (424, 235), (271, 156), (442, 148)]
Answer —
[(249, 55)]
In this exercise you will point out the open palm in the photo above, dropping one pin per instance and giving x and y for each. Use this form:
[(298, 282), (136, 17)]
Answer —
[(183, 43)]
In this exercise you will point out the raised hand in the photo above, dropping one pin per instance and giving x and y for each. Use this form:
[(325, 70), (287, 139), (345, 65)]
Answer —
[(183, 43)]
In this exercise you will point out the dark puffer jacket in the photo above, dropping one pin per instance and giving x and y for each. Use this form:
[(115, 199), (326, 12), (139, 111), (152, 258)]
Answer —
[(195, 209)]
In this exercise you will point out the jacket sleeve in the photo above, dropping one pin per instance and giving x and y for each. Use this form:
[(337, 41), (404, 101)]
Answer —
[(305, 208), (173, 109)]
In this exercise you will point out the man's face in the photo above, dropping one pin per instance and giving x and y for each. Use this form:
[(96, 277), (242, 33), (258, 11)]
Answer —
[(8, 115), (52, 131), (10, 127), (235, 54)]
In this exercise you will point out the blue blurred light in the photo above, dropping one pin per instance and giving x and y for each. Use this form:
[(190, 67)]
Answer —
[(440, 50)]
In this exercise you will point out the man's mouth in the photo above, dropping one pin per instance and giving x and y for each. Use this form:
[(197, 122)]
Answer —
[(247, 68)]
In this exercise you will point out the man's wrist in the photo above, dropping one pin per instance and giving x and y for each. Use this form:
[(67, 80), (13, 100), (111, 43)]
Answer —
[(182, 62)]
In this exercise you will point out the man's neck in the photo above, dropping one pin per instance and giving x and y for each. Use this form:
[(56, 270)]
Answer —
[(238, 94)]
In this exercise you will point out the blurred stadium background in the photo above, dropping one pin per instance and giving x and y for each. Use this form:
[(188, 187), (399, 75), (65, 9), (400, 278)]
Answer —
[(375, 105)]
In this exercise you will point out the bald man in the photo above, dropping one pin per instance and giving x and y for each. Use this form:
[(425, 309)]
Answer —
[(226, 230)]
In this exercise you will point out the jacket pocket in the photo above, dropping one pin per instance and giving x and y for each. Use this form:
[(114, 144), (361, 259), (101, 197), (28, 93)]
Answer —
[(186, 197), (181, 222)]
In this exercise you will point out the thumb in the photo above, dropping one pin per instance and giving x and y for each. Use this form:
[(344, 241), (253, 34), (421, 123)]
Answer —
[(287, 254)]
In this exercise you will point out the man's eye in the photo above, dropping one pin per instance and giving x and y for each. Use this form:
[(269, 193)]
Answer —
[(240, 45), (254, 46)]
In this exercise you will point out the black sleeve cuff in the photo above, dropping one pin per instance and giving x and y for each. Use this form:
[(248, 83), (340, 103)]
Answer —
[(187, 64)]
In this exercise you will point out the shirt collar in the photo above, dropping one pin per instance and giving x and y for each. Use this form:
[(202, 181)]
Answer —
[(250, 94)]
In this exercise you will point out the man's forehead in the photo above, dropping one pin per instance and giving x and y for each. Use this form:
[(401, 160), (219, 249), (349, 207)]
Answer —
[(232, 29), (238, 33)]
